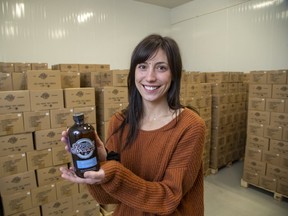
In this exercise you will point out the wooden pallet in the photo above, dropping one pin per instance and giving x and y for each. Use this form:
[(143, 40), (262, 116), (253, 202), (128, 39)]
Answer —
[(276, 195), (227, 165)]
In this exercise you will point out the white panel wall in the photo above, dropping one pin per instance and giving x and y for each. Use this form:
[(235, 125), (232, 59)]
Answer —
[(222, 35), (75, 31), (232, 35)]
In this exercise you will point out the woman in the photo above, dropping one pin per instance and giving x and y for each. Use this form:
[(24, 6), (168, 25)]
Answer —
[(159, 141)]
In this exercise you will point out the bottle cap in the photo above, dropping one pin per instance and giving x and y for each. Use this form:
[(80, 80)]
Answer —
[(78, 116)]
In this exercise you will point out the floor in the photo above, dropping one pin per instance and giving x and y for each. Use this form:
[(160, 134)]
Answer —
[(224, 196)]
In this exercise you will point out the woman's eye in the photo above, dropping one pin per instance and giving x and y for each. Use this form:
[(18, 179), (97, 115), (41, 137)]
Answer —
[(162, 68), (142, 66)]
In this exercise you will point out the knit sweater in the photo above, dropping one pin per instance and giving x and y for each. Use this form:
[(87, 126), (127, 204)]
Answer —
[(160, 173)]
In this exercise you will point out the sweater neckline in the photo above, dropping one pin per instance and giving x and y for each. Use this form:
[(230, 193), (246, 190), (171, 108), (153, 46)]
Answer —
[(168, 126)]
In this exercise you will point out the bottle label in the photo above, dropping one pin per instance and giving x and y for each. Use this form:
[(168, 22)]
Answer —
[(83, 148), (86, 163)]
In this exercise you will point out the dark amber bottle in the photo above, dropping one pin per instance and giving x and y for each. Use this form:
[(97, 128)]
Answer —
[(83, 146)]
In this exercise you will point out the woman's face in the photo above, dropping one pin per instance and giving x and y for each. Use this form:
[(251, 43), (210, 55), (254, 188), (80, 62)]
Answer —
[(153, 77)]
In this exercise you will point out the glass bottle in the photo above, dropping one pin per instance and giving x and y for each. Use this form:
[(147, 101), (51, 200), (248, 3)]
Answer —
[(83, 146)]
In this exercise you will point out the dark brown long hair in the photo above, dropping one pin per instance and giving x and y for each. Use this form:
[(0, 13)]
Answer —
[(142, 52)]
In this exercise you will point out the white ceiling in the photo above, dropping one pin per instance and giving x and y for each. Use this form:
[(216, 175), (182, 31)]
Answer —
[(165, 3)]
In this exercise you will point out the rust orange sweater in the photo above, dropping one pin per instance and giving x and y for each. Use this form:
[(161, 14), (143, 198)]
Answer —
[(160, 173)]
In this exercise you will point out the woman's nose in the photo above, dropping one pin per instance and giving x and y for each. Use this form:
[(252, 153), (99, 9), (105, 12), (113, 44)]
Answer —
[(151, 75)]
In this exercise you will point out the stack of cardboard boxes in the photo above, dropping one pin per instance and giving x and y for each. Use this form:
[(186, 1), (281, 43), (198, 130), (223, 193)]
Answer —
[(266, 154), (196, 93), (229, 101), (31, 153)]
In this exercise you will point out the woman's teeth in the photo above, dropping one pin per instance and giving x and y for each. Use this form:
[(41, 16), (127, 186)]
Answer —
[(150, 87)]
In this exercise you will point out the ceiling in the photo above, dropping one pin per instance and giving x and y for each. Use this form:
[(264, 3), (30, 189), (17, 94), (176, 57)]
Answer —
[(165, 3)]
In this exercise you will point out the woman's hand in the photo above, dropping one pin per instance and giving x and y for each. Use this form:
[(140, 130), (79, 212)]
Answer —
[(102, 154), (90, 177)]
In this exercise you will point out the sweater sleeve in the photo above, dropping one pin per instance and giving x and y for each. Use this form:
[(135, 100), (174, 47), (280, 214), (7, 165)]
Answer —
[(161, 197)]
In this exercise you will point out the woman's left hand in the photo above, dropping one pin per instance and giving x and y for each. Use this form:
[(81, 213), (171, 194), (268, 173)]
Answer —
[(90, 177)]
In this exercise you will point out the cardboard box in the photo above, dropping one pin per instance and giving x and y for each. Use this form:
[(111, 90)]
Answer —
[(19, 81), (254, 166), (114, 78), (235, 76), (66, 67), (29, 212), (44, 139), (102, 67), (20, 67), (102, 129), (253, 153), (6, 67), (280, 91), (219, 99), (260, 90), (37, 120), (18, 182), (277, 77), (60, 155), (268, 183), (285, 134), (286, 106), (233, 87), (65, 189), (43, 195), (87, 67), (105, 111), (79, 97), (16, 143), (192, 90), (251, 177), (277, 172), (282, 187), (70, 80), (216, 77), (275, 105), (93, 210), (205, 89), (89, 113), (279, 119), (283, 161), (13, 164), (46, 99), (16, 202), (58, 207), (90, 79), (219, 88), (39, 66), (258, 117), (5, 82), (273, 132), (82, 199), (49, 175), (39, 159), (271, 158), (11, 124), (258, 142), (61, 117), (255, 129), (43, 79), (110, 94), (278, 146), (258, 77), (257, 103), (14, 101)]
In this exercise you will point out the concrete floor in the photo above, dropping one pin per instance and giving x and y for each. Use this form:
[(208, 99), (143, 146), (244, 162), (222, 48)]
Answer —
[(224, 196)]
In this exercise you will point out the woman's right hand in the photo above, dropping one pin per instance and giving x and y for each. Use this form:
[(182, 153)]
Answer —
[(102, 154)]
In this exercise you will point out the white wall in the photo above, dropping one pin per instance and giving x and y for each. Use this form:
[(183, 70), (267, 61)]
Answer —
[(51, 31), (232, 35), (222, 35)]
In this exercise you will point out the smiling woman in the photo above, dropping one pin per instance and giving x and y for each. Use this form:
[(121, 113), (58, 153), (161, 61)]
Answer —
[(159, 141)]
